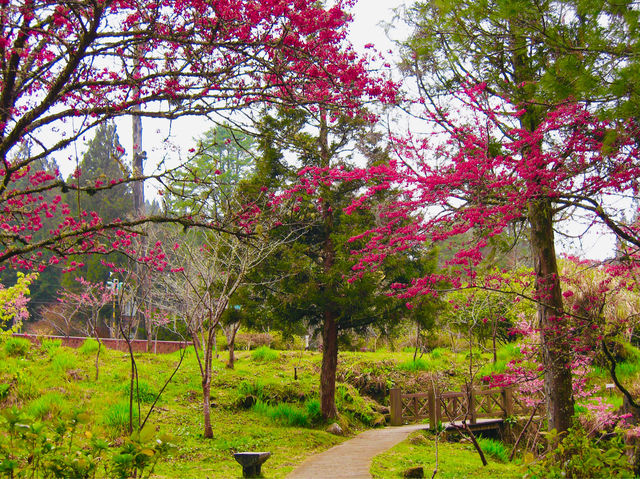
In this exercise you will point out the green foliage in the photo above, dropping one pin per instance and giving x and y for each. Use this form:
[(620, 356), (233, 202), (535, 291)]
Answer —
[(255, 389), (418, 365), (4, 390), (63, 361), (143, 391), (264, 354), (116, 417), (47, 404), (90, 346), (494, 448), (455, 460), (50, 346), (56, 448), (141, 452), (577, 455), (17, 346), (288, 414)]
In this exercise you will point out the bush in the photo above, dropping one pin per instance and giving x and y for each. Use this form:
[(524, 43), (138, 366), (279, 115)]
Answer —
[(579, 455), (252, 340), (18, 347), (90, 346), (494, 448), (264, 354)]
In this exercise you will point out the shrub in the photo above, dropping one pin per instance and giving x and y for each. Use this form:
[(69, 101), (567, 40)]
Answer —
[(17, 346), (264, 354), (579, 455), (90, 346), (4, 391), (252, 340), (116, 417), (49, 403), (494, 448)]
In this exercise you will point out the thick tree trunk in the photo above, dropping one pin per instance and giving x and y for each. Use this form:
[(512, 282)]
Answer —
[(329, 366), (330, 327), (556, 352)]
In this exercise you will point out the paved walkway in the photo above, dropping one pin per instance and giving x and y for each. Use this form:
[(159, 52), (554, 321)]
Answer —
[(352, 458)]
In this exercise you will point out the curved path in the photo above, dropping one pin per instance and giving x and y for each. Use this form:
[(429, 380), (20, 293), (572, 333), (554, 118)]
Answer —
[(352, 458)]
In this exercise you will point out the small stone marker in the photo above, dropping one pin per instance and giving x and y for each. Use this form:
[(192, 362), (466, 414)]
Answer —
[(414, 472), (335, 429), (251, 462)]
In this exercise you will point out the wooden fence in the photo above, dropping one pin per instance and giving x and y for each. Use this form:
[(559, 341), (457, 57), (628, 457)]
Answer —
[(472, 404)]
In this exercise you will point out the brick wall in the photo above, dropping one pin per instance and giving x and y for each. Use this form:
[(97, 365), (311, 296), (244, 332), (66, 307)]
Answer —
[(138, 345)]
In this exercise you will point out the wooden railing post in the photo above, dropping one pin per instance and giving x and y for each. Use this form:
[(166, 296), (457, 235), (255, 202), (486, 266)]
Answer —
[(433, 421), (507, 401), (395, 406), (471, 403)]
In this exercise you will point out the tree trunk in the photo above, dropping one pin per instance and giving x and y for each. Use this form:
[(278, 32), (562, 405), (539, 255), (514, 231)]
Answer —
[(329, 366), (232, 358), (330, 327), (556, 356), (206, 385), (206, 405)]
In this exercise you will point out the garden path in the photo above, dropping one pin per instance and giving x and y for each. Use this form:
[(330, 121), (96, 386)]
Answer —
[(352, 458)]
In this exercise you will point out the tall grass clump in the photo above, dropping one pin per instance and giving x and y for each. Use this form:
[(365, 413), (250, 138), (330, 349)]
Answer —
[(255, 389), (418, 365), (50, 346), (48, 404), (63, 361), (508, 352), (17, 347), (144, 391), (494, 449), (116, 417), (627, 369), (264, 354), (283, 413), (90, 346), (436, 353)]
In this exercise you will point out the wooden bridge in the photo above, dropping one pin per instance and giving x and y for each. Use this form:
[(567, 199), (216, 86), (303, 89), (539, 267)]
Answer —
[(482, 409)]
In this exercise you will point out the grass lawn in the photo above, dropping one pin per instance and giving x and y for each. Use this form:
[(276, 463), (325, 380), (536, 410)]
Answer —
[(455, 461)]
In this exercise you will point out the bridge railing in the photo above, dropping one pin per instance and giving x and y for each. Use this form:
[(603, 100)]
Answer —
[(450, 406)]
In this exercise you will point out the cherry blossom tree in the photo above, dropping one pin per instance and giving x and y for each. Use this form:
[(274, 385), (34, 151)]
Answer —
[(88, 301), (474, 175), (68, 66), (204, 270)]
